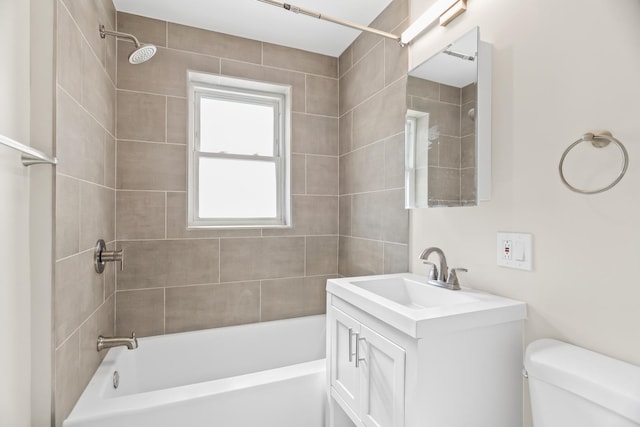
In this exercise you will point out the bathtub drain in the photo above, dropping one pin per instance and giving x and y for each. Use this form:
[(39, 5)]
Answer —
[(116, 379)]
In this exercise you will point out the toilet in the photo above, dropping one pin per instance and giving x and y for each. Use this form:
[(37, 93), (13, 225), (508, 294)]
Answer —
[(574, 387)]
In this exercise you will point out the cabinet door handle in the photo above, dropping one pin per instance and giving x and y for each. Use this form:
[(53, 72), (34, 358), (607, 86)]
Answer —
[(358, 358), (351, 345)]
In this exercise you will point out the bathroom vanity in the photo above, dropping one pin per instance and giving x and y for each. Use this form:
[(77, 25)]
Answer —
[(402, 353)]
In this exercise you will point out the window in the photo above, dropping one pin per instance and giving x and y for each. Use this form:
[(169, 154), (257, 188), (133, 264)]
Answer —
[(238, 153)]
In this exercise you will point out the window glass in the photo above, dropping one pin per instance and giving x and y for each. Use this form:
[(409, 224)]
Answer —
[(231, 188), (236, 126)]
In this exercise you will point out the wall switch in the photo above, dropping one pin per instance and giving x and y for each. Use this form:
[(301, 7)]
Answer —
[(515, 250)]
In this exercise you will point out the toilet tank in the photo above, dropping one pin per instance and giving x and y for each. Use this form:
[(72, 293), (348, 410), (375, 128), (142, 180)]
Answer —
[(574, 387)]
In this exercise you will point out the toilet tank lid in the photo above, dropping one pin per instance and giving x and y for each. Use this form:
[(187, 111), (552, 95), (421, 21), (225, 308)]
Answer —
[(608, 382)]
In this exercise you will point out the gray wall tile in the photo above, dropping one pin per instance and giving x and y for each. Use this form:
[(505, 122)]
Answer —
[(314, 134), (322, 96), (422, 88), (85, 177), (162, 263), (109, 161), (192, 39), (212, 306), (381, 116), (312, 215), (372, 148), (272, 75), (97, 215), (100, 323), (305, 296), (177, 120), (345, 215), (445, 116), (141, 116), (346, 130), (98, 91), (67, 216), (362, 170), (363, 80), (468, 184), (396, 61), (469, 93), (78, 292), (394, 162), (322, 175), (444, 184), (450, 94), (345, 61), (166, 74), (298, 174), (141, 312), (89, 15), (299, 60), (322, 255), (468, 151), (396, 258), (68, 385), (69, 61), (79, 141), (151, 166), (140, 215), (380, 216), (261, 258), (448, 151), (360, 257), (147, 30)]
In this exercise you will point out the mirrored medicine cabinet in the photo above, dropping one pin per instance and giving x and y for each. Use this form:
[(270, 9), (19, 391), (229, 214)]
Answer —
[(448, 126)]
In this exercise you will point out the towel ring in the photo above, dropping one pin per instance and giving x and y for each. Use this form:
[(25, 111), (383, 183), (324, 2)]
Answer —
[(598, 140)]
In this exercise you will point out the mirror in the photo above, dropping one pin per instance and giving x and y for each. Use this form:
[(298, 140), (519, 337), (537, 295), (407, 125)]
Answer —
[(448, 126)]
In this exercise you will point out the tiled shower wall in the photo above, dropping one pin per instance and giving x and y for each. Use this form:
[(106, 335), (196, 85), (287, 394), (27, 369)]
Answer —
[(85, 193), (374, 225), (451, 139), (176, 279)]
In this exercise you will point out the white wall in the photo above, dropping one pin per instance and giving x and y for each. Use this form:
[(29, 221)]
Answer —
[(560, 69), (41, 181), (14, 217)]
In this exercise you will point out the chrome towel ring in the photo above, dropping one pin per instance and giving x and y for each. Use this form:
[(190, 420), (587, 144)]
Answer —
[(598, 140)]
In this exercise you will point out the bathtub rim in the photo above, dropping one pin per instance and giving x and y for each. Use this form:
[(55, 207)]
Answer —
[(93, 404)]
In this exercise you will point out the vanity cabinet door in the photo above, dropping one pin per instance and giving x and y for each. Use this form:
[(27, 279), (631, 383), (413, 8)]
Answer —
[(382, 380), (345, 377)]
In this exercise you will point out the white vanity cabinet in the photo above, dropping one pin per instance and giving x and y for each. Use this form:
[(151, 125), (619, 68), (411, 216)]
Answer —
[(456, 363), (367, 372)]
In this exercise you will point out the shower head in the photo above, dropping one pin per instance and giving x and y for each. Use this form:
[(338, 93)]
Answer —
[(142, 52)]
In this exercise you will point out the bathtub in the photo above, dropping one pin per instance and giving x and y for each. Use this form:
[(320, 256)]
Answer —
[(269, 374)]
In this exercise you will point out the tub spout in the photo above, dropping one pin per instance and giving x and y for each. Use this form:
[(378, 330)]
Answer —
[(108, 342)]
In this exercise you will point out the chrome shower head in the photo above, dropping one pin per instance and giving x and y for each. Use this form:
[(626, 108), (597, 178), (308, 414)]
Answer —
[(142, 53)]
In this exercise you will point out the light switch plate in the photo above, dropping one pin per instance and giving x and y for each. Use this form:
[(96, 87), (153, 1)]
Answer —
[(515, 250)]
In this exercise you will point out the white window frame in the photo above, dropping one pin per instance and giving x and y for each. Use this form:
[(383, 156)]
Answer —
[(259, 93)]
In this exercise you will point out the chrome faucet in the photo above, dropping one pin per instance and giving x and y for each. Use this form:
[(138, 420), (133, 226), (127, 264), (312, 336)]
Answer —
[(437, 275), (108, 342)]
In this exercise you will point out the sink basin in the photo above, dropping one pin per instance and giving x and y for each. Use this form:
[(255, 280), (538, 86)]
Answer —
[(411, 293), (406, 302)]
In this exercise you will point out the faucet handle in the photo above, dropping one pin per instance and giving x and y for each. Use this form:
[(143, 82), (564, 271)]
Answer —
[(453, 277), (433, 273)]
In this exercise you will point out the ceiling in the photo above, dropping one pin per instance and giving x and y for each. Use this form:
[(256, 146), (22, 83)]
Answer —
[(260, 21)]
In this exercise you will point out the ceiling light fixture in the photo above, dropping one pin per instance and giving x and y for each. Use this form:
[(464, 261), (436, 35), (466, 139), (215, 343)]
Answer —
[(453, 12), (439, 9)]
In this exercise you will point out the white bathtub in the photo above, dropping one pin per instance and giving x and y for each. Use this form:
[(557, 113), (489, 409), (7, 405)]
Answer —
[(269, 374)]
